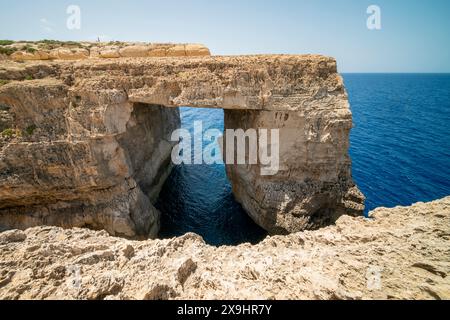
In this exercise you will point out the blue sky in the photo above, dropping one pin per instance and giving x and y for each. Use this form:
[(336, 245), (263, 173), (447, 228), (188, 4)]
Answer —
[(415, 34)]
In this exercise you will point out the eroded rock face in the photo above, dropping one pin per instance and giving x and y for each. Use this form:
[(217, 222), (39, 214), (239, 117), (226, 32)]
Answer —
[(313, 185), (87, 141), (400, 253), (82, 162)]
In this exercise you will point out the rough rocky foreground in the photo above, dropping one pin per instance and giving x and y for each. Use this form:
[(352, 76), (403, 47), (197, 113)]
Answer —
[(400, 253)]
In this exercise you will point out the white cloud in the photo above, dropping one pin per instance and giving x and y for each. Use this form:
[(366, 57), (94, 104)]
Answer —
[(47, 25)]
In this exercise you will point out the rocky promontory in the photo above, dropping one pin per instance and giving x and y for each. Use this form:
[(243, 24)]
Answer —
[(398, 253), (85, 139)]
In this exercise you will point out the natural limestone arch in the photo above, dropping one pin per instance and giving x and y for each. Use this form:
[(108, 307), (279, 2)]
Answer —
[(100, 149)]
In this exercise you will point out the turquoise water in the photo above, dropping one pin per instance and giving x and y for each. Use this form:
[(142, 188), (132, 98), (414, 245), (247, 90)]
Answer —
[(400, 148)]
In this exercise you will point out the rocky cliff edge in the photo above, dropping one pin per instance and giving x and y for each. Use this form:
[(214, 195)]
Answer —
[(399, 253)]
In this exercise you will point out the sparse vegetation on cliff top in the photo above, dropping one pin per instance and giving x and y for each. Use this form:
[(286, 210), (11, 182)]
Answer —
[(53, 44), (6, 42), (30, 129), (7, 50), (9, 133)]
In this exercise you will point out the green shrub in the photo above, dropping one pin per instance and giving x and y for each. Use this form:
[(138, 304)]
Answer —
[(7, 50), (28, 77), (72, 44), (54, 44), (30, 129), (6, 42), (3, 82), (47, 41), (48, 44), (29, 49), (57, 43), (116, 43), (10, 133), (7, 132)]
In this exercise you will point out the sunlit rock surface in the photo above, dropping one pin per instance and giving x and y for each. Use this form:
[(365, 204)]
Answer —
[(85, 142), (400, 253)]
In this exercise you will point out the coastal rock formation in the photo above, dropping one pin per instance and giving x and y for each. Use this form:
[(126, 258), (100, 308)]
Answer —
[(313, 185), (96, 165), (85, 143), (399, 253)]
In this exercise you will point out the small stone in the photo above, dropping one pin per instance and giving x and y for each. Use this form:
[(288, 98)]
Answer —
[(12, 236), (187, 268), (159, 292)]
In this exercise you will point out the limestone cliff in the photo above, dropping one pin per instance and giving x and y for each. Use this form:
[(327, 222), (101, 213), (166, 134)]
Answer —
[(400, 253), (86, 142)]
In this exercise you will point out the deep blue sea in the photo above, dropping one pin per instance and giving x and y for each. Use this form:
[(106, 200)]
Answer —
[(400, 148)]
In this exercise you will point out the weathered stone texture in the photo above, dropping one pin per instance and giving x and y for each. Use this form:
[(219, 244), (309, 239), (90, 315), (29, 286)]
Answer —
[(400, 253), (90, 134)]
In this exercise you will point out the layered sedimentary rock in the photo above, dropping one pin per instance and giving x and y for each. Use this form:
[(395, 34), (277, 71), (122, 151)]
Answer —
[(89, 163), (313, 184), (85, 143), (399, 253)]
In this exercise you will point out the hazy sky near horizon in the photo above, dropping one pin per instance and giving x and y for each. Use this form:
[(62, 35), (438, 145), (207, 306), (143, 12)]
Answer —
[(414, 35)]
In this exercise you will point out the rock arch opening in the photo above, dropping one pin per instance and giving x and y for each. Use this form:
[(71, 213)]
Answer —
[(198, 197)]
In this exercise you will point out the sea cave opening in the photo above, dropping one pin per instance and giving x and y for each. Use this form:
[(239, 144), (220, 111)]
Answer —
[(198, 197)]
